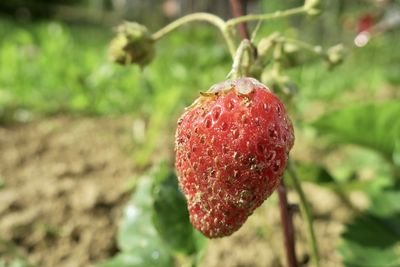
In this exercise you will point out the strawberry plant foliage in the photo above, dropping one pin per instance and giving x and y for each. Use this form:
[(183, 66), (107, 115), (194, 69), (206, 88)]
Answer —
[(155, 226), (375, 126), (371, 241), (170, 216), (372, 238), (137, 238)]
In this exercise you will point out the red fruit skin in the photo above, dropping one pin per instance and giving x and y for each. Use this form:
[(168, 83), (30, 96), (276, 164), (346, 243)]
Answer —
[(231, 147)]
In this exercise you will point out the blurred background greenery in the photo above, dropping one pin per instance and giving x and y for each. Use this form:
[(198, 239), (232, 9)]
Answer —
[(50, 64), (53, 63), (53, 60)]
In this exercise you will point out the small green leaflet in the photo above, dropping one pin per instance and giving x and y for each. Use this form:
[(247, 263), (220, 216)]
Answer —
[(375, 126), (156, 226)]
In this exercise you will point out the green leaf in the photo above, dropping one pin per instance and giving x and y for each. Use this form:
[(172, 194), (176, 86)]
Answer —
[(392, 72), (314, 173), (375, 126), (171, 216), (137, 259), (356, 255), (2, 183), (156, 224), (386, 203), (137, 236), (319, 175), (14, 263), (371, 241), (370, 230)]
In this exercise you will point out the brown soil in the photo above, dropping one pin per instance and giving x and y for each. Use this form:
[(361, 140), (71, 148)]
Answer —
[(65, 187)]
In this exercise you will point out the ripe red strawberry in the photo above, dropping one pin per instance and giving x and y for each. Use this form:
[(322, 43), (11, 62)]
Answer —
[(232, 145)]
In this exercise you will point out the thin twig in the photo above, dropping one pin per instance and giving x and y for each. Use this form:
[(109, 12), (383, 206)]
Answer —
[(317, 50), (287, 225), (275, 15), (255, 31), (225, 27), (239, 68), (206, 17), (239, 9), (306, 211)]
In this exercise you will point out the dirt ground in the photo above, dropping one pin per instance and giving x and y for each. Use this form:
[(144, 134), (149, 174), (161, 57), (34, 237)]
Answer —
[(65, 186)]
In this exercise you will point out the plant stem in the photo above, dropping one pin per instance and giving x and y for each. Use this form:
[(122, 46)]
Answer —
[(306, 211), (206, 17), (239, 9), (239, 69), (287, 222), (317, 50), (275, 15), (223, 26)]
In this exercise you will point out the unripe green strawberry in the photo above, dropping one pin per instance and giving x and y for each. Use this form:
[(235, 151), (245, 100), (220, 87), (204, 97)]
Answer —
[(232, 145)]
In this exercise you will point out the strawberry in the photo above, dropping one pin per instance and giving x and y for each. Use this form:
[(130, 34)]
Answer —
[(231, 147)]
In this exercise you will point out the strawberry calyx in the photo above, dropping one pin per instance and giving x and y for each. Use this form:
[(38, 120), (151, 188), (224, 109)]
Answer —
[(241, 86)]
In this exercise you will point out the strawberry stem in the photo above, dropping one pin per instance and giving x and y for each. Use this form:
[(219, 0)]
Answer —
[(287, 223), (270, 16), (317, 50), (225, 27), (305, 210), (206, 17), (244, 57), (239, 9)]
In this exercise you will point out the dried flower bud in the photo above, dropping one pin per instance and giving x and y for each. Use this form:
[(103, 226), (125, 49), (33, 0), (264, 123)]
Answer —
[(335, 55), (280, 84), (313, 7), (267, 44), (132, 45)]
